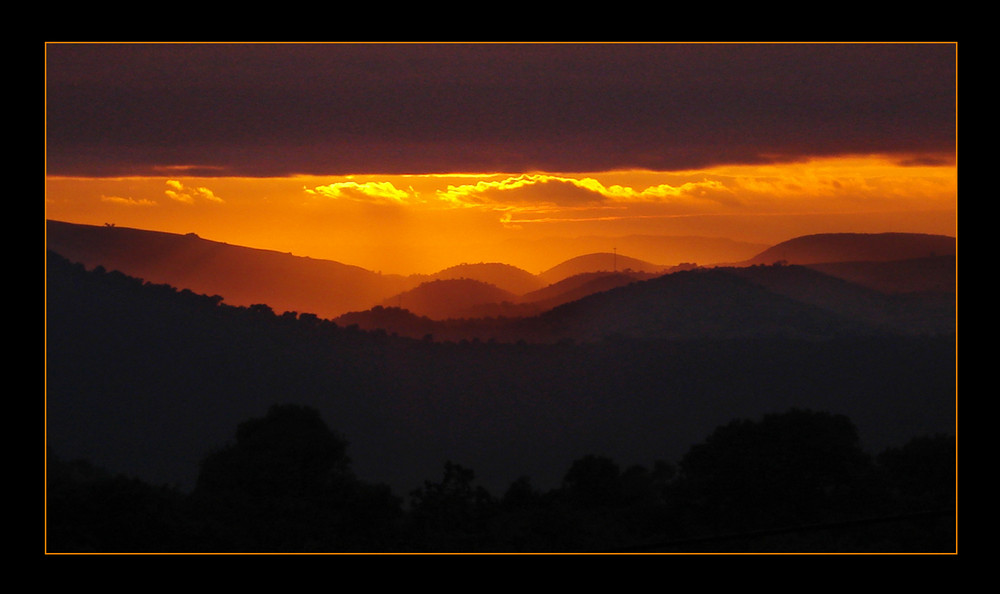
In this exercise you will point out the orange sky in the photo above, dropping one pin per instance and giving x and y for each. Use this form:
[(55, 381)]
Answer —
[(461, 145), (423, 223)]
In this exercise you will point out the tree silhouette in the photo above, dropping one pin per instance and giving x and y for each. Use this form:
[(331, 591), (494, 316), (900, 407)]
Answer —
[(784, 470), (89, 509), (289, 452), (593, 481), (520, 494), (450, 515), (286, 485), (921, 477), (921, 473)]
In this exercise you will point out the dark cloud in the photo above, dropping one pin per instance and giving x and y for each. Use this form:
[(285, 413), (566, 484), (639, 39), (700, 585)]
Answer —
[(267, 109)]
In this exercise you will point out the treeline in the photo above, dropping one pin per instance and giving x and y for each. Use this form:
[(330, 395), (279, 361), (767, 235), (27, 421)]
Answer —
[(146, 379), (786, 483)]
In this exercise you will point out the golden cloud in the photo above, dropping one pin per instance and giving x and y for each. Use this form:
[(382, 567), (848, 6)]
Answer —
[(178, 192), (542, 189), (127, 201), (384, 192)]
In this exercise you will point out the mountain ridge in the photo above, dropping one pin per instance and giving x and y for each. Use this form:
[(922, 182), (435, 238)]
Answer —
[(241, 275), (145, 380), (286, 282), (597, 262), (853, 247), (329, 289), (451, 298)]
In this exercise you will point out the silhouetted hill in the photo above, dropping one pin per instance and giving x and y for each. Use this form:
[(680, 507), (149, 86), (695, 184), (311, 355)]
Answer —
[(452, 298), (241, 275), (851, 247), (931, 274), (917, 313), (724, 302), (502, 320), (579, 286), (666, 249), (598, 262), (704, 303), (504, 276), (393, 320), (146, 379)]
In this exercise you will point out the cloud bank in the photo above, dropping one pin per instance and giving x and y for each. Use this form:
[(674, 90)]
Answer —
[(327, 109)]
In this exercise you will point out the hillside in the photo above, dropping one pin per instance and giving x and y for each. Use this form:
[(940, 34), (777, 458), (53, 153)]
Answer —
[(496, 315), (147, 380), (919, 287), (712, 303), (504, 276), (284, 282), (671, 250), (240, 275), (909, 313), (931, 274), (852, 247), (597, 262), (707, 303), (579, 286), (452, 298)]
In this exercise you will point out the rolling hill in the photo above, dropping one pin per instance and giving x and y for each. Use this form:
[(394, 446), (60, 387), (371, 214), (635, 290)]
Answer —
[(579, 286), (915, 312), (704, 303), (504, 276), (855, 247), (240, 275), (597, 262), (874, 286), (452, 298), (247, 276), (930, 274), (146, 380), (670, 250)]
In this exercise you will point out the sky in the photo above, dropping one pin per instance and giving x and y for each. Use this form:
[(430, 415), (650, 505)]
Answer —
[(411, 157)]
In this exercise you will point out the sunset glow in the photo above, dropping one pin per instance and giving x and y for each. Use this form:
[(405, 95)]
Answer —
[(422, 223), (285, 281), (438, 154)]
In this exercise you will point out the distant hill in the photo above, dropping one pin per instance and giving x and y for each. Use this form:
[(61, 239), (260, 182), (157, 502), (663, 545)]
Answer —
[(145, 380), (452, 298), (708, 303), (855, 278), (579, 286), (931, 274), (916, 313), (781, 300), (723, 302), (247, 276), (597, 262), (240, 275), (390, 319), (669, 250), (855, 247), (509, 278), (421, 311)]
